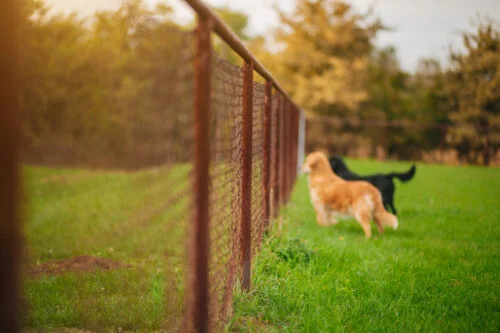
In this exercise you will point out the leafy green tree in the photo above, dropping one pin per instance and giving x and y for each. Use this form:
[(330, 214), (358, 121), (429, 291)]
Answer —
[(325, 55), (55, 58), (238, 22), (103, 89), (473, 87)]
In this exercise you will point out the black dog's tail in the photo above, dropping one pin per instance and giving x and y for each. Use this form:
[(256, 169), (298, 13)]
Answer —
[(406, 176)]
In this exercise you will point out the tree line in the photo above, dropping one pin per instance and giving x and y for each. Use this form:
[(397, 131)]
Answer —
[(110, 91), (116, 85), (329, 62)]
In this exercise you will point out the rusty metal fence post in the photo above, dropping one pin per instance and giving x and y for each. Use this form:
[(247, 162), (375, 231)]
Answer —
[(282, 157), (275, 162), (287, 149), (301, 139), (276, 148), (294, 136), (292, 147), (10, 229), (295, 141), (246, 181), (296, 148), (267, 150), (199, 288)]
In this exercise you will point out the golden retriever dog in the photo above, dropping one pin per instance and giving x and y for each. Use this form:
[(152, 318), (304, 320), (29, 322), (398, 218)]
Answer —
[(334, 198)]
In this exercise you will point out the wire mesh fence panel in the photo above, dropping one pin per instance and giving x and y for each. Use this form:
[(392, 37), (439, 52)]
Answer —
[(274, 176), (225, 191), (109, 193), (286, 149), (281, 149)]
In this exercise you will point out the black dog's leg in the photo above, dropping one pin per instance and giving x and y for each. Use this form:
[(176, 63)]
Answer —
[(394, 209), (391, 204), (387, 202)]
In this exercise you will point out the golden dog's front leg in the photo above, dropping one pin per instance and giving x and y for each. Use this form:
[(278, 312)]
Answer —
[(364, 217), (321, 217)]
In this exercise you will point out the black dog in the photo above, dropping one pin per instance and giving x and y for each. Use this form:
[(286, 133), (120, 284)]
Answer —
[(383, 182)]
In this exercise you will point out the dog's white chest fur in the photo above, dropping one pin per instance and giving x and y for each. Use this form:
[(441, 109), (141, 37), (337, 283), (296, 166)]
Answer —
[(329, 215), (314, 196)]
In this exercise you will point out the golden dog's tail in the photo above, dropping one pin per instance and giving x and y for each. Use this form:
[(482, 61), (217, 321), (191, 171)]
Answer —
[(383, 217), (387, 219)]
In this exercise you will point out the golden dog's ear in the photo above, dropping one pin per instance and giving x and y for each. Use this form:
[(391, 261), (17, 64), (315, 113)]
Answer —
[(314, 162)]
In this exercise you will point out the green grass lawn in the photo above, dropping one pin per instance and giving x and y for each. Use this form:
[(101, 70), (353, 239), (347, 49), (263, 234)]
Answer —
[(137, 218), (439, 272)]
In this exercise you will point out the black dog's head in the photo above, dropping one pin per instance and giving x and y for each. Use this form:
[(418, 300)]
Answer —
[(336, 163)]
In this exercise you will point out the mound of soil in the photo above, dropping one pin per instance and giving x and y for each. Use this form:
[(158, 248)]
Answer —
[(81, 264)]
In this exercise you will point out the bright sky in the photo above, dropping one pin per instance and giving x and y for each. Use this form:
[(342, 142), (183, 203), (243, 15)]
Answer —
[(422, 27)]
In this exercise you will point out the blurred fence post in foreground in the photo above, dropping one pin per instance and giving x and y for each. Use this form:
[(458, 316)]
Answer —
[(10, 229), (199, 272)]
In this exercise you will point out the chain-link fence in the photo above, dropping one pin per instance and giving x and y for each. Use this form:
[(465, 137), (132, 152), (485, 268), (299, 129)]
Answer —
[(147, 214)]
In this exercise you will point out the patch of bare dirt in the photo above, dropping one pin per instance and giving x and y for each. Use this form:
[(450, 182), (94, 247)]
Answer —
[(80, 264)]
